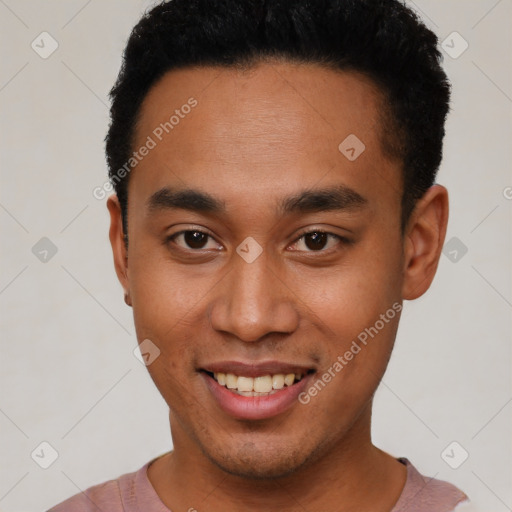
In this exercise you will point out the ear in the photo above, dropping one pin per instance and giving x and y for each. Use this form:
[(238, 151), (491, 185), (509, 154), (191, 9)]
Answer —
[(117, 241), (423, 241)]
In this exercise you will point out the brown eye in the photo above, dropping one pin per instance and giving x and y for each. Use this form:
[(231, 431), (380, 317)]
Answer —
[(316, 241), (195, 239)]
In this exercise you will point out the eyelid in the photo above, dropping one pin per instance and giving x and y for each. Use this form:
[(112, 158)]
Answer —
[(325, 231), (341, 239), (204, 231), (299, 236), (193, 227)]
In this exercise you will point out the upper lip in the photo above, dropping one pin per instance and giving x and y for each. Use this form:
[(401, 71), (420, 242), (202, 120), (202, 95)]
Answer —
[(253, 369)]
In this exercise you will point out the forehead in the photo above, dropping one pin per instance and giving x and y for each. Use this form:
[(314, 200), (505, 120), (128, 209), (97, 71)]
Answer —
[(270, 126)]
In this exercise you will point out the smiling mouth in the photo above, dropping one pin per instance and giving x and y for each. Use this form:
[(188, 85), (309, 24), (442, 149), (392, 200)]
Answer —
[(264, 385)]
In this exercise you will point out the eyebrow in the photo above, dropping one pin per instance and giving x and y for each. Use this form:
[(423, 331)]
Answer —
[(339, 197), (187, 199)]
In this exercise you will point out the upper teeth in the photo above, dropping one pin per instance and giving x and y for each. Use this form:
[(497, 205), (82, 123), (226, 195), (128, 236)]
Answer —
[(263, 384)]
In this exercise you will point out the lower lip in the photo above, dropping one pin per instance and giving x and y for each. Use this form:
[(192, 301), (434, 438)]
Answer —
[(255, 407)]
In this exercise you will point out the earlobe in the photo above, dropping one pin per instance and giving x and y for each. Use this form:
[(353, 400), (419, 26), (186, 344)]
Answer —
[(117, 241), (423, 241)]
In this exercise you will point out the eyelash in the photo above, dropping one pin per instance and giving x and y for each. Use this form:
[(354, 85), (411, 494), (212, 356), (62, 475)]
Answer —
[(341, 239)]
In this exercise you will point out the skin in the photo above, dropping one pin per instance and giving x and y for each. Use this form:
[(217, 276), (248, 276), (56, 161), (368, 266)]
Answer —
[(256, 137)]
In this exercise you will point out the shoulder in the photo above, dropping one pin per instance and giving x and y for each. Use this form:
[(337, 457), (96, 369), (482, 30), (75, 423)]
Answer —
[(428, 494), (112, 495)]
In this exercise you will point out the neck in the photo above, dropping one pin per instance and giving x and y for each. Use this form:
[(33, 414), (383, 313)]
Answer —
[(350, 476)]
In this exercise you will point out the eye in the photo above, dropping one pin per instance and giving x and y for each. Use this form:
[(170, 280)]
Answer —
[(193, 239), (317, 241)]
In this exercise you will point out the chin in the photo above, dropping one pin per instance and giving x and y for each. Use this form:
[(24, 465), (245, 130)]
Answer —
[(254, 462)]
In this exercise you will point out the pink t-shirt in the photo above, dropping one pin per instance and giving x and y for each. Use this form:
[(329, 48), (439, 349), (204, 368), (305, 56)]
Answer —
[(133, 492)]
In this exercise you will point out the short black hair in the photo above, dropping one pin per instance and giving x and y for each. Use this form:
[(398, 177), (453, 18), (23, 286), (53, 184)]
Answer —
[(382, 39)]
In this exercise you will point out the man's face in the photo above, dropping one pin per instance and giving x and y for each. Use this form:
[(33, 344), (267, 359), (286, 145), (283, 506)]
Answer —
[(264, 145)]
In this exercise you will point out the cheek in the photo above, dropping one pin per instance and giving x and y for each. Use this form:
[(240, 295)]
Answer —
[(350, 297), (166, 295), (356, 359), (357, 307), (354, 306), (168, 309), (176, 384)]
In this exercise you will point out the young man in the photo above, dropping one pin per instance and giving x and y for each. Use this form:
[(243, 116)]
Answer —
[(274, 167)]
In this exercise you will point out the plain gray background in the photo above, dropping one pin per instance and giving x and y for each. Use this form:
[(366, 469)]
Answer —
[(68, 373)]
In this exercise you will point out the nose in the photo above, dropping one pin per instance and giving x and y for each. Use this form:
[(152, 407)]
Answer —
[(253, 301)]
